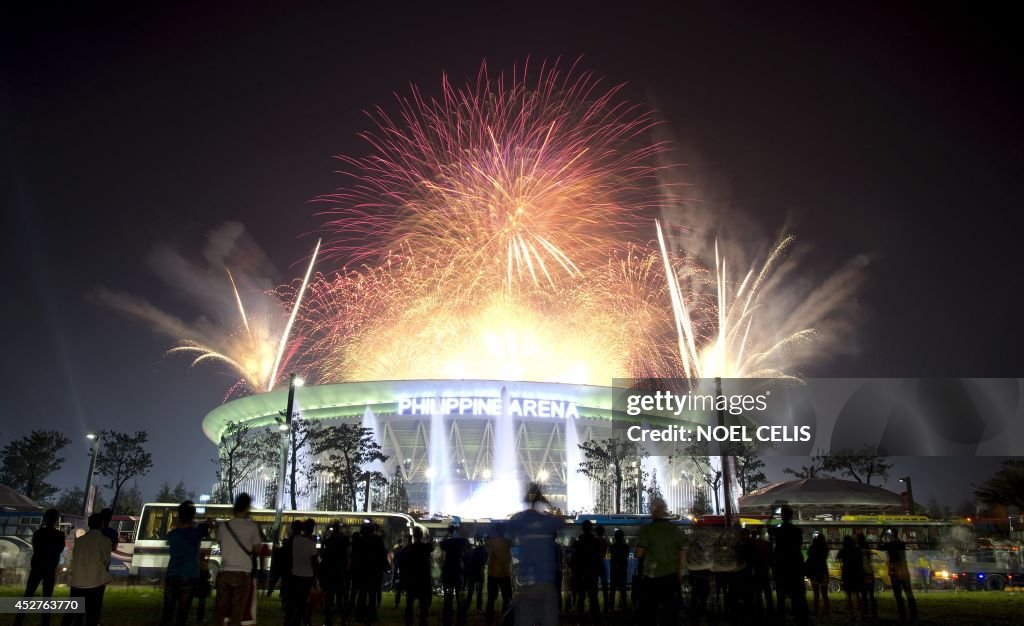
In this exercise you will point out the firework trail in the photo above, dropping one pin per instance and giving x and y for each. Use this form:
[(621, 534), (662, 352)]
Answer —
[(258, 359), (748, 329), (252, 341)]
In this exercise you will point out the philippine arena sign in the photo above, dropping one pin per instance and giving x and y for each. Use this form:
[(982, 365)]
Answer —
[(488, 407)]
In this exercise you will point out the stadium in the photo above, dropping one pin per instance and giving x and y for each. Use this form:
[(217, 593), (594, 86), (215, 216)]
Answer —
[(461, 446)]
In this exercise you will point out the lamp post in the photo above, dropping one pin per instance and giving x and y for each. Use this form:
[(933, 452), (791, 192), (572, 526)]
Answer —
[(88, 500), (910, 492), (728, 466), (285, 425)]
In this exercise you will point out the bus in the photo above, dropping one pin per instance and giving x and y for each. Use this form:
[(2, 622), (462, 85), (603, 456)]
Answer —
[(629, 524), (121, 558), (151, 556), (930, 543)]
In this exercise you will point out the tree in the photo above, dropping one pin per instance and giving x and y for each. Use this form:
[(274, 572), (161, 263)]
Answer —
[(178, 494), (28, 461), (243, 451), (936, 510), (634, 491), (122, 457), (130, 502), (70, 501), (397, 500), (749, 467), (303, 435), (701, 502), (1005, 487), (861, 465), (967, 508), (711, 476), (375, 486), (653, 491), (348, 450), (608, 461), (816, 469), (270, 496)]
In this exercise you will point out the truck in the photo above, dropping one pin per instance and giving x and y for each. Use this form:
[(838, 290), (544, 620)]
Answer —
[(984, 569)]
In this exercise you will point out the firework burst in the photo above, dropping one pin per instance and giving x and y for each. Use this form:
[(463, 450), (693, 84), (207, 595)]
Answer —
[(515, 178)]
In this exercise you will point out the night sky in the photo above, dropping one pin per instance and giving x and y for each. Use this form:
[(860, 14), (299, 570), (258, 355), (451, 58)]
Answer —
[(895, 135)]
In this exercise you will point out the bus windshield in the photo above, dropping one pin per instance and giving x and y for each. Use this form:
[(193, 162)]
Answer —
[(159, 519)]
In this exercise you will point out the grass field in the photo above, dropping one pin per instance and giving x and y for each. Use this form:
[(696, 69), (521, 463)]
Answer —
[(131, 606)]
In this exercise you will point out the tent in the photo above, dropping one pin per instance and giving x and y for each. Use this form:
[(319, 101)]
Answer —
[(11, 500), (822, 496)]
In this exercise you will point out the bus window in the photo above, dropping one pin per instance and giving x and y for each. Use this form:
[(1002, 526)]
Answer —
[(155, 522)]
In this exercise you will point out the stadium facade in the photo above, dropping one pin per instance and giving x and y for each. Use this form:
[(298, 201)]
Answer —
[(450, 439)]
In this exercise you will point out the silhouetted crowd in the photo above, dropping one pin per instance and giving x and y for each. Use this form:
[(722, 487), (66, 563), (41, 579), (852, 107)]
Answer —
[(732, 575)]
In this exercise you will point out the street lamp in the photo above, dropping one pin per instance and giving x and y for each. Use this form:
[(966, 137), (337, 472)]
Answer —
[(282, 468), (910, 492), (88, 500)]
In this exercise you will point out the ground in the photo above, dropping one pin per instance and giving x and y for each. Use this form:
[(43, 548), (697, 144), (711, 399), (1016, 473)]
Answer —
[(131, 606)]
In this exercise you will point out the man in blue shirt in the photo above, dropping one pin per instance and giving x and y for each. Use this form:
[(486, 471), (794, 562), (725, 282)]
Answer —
[(538, 562), (183, 570)]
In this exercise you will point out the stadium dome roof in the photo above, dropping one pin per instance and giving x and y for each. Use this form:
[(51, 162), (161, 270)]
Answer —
[(818, 496)]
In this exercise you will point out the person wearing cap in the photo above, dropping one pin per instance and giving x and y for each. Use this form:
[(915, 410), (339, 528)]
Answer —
[(663, 548)]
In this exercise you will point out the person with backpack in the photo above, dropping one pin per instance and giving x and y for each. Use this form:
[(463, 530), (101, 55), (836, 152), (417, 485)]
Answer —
[(240, 542)]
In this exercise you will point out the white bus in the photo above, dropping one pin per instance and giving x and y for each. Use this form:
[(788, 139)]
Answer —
[(151, 554)]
